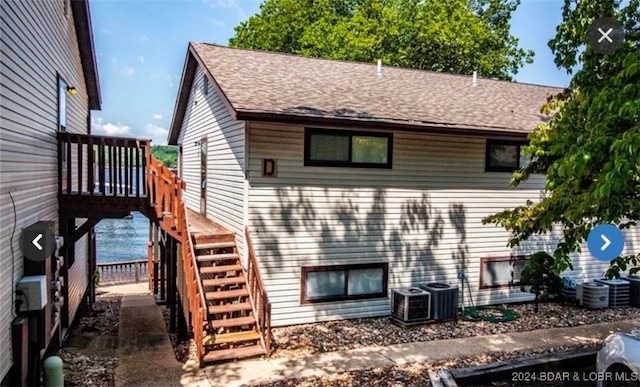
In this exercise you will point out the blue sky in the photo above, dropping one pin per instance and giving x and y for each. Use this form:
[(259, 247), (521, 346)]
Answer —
[(141, 47)]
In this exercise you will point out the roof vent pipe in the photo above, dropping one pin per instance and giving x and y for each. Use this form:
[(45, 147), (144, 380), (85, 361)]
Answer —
[(379, 67), (475, 78)]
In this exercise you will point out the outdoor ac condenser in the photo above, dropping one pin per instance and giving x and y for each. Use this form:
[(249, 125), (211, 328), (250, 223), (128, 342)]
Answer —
[(444, 300), (411, 304), (593, 295), (634, 290), (619, 292)]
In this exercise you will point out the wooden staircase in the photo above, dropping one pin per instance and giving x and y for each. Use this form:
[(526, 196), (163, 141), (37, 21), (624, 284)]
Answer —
[(231, 330), (230, 313), (224, 303)]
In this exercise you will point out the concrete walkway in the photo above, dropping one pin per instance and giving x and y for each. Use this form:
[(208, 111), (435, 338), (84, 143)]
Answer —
[(146, 356), (261, 371), (144, 351)]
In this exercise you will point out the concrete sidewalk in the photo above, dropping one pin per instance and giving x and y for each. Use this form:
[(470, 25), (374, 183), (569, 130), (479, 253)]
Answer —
[(146, 356), (144, 351), (249, 372)]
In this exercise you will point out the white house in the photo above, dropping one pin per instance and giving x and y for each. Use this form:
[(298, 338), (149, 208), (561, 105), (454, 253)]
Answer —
[(354, 179), (48, 84)]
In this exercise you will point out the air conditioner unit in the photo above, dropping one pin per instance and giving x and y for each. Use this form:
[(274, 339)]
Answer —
[(411, 304), (618, 292), (444, 300), (634, 290), (593, 295)]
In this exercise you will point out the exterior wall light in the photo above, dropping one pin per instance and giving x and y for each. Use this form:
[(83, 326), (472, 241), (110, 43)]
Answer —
[(72, 90)]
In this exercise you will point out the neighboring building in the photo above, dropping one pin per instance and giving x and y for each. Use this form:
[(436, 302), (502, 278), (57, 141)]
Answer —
[(48, 84), (355, 179)]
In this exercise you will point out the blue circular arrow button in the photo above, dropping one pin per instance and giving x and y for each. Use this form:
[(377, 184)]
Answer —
[(605, 242)]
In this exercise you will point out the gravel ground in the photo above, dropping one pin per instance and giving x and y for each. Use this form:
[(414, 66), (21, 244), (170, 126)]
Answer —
[(82, 370), (348, 334), (91, 370), (411, 375), (184, 350)]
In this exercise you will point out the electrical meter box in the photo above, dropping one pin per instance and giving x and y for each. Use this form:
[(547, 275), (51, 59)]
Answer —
[(35, 291)]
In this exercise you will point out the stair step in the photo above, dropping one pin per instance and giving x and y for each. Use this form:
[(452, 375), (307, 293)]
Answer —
[(223, 281), (232, 322), (230, 308), (226, 294), (234, 337), (234, 353), (216, 257), (220, 269), (214, 245)]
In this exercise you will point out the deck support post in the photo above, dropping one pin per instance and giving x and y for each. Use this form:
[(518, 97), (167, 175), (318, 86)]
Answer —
[(171, 283)]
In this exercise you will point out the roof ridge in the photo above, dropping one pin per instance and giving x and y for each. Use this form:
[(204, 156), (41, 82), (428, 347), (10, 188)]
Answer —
[(388, 66)]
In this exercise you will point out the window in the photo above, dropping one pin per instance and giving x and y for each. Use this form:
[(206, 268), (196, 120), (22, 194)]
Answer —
[(496, 272), (505, 156), (346, 282), (205, 86), (62, 105), (340, 148)]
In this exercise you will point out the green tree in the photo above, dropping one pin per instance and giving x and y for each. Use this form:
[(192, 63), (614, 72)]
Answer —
[(166, 154), (459, 36), (590, 148), (537, 277)]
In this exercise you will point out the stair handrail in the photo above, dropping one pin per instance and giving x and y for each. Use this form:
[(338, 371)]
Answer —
[(258, 293), (199, 303), (165, 192)]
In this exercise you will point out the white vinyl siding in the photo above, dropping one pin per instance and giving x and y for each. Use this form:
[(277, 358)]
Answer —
[(37, 43), (208, 116), (423, 217)]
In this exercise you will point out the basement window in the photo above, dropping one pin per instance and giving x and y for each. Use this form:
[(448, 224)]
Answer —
[(505, 156), (498, 272), (343, 282), (341, 148)]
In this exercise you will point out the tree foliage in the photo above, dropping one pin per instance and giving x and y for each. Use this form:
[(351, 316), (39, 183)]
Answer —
[(458, 36), (166, 154), (590, 147), (537, 277)]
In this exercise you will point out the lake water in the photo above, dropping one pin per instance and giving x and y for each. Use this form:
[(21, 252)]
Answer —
[(122, 239)]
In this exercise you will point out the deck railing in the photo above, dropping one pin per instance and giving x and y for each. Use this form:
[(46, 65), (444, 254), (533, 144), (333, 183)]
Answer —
[(261, 304), (102, 166), (122, 272), (165, 192)]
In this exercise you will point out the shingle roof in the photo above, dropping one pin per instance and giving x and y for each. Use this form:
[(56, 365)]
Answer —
[(261, 84)]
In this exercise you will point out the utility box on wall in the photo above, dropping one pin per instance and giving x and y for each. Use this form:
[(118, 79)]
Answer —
[(35, 289)]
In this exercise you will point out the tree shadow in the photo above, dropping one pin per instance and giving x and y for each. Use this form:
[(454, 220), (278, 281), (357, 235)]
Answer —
[(355, 227)]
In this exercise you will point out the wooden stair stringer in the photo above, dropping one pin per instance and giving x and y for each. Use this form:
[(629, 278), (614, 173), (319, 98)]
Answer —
[(231, 328)]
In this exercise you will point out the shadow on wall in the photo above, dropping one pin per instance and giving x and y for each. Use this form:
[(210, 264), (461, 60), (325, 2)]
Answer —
[(353, 229)]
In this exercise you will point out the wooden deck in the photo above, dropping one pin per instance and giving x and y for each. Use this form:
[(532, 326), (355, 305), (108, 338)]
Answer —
[(189, 256), (206, 230)]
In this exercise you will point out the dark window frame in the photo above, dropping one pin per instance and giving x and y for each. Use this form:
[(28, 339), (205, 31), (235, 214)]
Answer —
[(490, 143), (346, 268), (510, 258), (308, 162)]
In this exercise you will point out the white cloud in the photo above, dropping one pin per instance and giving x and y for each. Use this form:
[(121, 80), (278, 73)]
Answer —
[(156, 130), (157, 116), (98, 126), (158, 134), (218, 23), (128, 70), (143, 38), (226, 3), (141, 59)]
